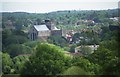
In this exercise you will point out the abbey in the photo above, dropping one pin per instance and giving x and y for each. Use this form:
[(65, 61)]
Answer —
[(44, 31)]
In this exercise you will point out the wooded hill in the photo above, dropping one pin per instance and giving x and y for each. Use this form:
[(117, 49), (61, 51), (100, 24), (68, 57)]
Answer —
[(67, 17)]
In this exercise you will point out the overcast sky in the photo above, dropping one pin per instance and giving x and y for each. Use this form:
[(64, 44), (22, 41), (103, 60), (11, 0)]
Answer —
[(44, 6)]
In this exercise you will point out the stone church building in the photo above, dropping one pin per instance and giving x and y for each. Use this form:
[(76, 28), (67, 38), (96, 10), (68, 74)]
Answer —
[(44, 31)]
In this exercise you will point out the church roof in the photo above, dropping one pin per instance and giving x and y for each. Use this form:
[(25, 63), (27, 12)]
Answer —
[(41, 27)]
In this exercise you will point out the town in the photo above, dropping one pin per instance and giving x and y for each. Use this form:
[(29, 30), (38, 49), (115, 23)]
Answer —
[(74, 40)]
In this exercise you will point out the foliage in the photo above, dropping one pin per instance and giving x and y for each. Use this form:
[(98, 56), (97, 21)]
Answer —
[(13, 37), (86, 65), (48, 60), (105, 34), (85, 50), (6, 63), (66, 48), (15, 40), (18, 49), (89, 37), (106, 55), (58, 40), (72, 48), (32, 44), (19, 62), (75, 70), (6, 33), (68, 17), (76, 36)]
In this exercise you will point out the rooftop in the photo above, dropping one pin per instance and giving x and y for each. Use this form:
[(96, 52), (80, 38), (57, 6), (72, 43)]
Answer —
[(41, 27)]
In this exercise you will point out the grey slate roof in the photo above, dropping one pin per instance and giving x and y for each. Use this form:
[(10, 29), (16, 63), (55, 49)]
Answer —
[(41, 27)]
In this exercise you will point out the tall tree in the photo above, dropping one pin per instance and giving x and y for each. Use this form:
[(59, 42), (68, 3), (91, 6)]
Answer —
[(47, 60)]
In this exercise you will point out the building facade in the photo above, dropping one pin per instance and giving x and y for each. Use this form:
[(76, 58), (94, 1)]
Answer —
[(43, 31)]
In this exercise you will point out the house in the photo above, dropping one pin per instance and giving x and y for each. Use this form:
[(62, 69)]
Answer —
[(92, 47), (43, 31), (114, 18)]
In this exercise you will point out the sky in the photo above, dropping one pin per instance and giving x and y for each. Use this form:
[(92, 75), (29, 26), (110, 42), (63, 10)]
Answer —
[(45, 6)]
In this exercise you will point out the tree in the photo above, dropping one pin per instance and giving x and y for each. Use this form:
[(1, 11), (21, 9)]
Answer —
[(38, 21), (107, 57), (105, 34), (18, 49), (86, 65), (19, 24), (75, 70), (85, 50), (19, 62), (76, 37), (6, 63), (72, 48), (47, 60), (32, 44), (58, 40), (19, 32), (15, 39), (5, 34)]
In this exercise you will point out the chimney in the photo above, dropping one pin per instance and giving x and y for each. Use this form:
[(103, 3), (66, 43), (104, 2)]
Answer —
[(49, 24)]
